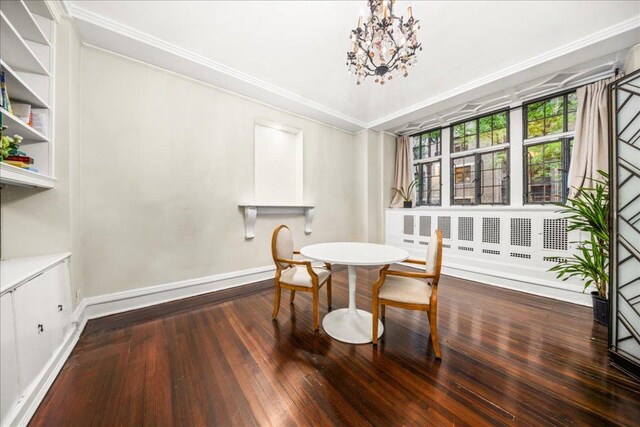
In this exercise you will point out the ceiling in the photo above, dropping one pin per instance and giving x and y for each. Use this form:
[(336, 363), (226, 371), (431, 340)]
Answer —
[(292, 54)]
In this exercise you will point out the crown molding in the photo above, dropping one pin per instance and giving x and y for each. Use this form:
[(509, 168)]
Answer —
[(628, 27), (113, 36), (106, 34)]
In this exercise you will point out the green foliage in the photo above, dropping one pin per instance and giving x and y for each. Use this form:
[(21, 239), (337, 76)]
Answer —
[(8, 143), (589, 213), (408, 194)]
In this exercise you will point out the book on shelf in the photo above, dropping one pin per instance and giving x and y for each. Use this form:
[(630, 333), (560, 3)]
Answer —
[(22, 111), (40, 120), (24, 159), (22, 165), (4, 95)]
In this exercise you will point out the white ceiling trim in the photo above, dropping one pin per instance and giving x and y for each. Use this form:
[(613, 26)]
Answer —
[(104, 33), (96, 21), (585, 42), (515, 98)]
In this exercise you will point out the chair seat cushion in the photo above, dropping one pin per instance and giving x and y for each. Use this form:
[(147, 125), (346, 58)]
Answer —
[(405, 289), (299, 276)]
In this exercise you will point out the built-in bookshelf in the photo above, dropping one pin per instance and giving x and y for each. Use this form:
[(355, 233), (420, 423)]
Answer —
[(27, 51)]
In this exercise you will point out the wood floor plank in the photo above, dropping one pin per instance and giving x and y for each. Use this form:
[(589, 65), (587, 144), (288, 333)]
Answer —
[(508, 358)]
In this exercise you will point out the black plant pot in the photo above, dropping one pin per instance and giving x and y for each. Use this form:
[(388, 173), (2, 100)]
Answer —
[(408, 203), (600, 309)]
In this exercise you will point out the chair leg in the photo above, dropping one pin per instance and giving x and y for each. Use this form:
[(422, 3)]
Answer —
[(433, 325), (374, 312), (292, 297), (276, 301), (316, 314), (382, 306), (329, 292)]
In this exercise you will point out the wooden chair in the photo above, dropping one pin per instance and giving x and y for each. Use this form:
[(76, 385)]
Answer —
[(297, 275), (404, 289)]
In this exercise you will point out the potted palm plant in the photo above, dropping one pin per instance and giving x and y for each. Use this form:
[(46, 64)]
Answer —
[(588, 213), (407, 195)]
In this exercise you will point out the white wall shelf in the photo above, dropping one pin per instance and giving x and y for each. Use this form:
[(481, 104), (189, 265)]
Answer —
[(18, 13), (21, 91), (15, 125), (252, 211), (27, 52), (15, 51), (10, 174)]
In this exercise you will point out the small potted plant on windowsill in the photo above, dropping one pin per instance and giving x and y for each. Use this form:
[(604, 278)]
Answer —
[(407, 195), (589, 213)]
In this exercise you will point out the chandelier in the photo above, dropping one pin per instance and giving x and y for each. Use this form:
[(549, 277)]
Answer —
[(385, 45)]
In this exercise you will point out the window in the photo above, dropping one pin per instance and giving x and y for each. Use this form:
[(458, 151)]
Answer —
[(550, 116), (427, 145), (428, 187), (546, 169), (464, 186), (482, 175), (483, 132), (551, 121), (427, 148)]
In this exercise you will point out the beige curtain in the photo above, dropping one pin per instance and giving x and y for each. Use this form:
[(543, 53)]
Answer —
[(590, 146), (404, 169)]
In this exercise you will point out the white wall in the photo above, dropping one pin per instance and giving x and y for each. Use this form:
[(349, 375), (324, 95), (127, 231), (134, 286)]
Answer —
[(165, 162), (375, 164)]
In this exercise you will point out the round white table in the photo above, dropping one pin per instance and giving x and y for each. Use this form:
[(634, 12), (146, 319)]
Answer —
[(350, 324)]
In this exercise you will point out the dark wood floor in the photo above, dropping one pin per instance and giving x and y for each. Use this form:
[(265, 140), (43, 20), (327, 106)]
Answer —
[(507, 359)]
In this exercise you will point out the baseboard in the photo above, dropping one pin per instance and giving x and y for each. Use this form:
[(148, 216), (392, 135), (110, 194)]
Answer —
[(118, 302), (540, 287)]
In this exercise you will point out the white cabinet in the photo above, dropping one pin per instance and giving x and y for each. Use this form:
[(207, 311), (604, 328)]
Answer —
[(8, 367), (33, 314), (36, 318)]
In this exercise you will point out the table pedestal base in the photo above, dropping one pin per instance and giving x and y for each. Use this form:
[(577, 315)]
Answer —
[(350, 326)]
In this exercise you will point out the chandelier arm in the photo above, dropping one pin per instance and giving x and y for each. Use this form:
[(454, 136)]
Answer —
[(360, 41)]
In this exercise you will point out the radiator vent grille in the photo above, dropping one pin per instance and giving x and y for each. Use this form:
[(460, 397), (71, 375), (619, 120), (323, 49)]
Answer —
[(517, 255), (408, 224), (465, 228), (465, 248), (444, 224), (554, 233), (555, 259), (491, 230), (425, 225), (521, 232), (490, 251)]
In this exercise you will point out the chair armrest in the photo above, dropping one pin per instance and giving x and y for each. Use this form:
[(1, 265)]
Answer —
[(408, 274), (415, 261), (293, 261)]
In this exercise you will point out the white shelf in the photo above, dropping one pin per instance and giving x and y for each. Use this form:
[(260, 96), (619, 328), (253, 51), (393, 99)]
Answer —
[(13, 175), (19, 90), (14, 50), (39, 7), (21, 17), (252, 210), (17, 126), (17, 271)]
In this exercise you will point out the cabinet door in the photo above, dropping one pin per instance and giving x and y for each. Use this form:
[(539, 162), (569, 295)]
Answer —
[(59, 303), (33, 321), (9, 390)]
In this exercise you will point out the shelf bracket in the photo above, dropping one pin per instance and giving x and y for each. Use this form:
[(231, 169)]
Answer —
[(252, 211)]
